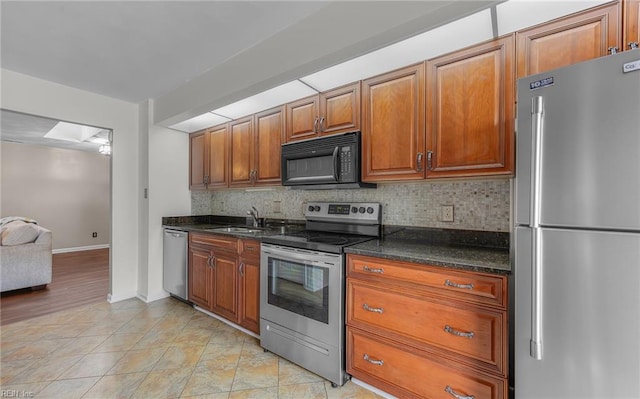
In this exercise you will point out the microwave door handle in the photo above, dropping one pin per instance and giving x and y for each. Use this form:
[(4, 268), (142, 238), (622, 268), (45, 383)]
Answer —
[(336, 164)]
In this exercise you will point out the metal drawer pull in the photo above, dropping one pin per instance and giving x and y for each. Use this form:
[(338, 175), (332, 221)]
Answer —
[(376, 362), (453, 393), (372, 270), (450, 283), (370, 309), (457, 333)]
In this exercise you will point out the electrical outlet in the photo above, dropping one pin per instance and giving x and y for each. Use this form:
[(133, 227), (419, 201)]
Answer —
[(447, 213), (94, 234), (276, 206)]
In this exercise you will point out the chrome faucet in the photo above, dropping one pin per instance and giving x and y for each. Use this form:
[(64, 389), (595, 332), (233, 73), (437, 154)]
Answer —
[(253, 212)]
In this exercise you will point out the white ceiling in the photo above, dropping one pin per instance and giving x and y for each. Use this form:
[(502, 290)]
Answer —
[(144, 49)]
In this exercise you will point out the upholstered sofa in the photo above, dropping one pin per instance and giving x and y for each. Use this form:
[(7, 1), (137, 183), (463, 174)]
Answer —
[(25, 256)]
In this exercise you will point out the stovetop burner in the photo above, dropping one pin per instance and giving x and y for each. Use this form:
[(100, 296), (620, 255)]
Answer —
[(332, 226)]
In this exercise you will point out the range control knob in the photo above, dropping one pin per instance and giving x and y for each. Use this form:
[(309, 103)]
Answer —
[(354, 209), (316, 208), (310, 208), (370, 209), (361, 209)]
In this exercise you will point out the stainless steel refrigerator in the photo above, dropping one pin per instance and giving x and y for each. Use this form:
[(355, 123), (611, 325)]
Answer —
[(576, 261)]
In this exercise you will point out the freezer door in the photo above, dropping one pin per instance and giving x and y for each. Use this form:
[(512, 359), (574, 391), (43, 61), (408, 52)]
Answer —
[(589, 316), (588, 129)]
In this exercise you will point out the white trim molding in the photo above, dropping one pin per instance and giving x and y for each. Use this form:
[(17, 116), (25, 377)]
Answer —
[(76, 249)]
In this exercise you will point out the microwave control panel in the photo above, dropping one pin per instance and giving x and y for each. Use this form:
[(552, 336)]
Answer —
[(347, 170)]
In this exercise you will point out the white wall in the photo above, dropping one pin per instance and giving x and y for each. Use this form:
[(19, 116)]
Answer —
[(164, 167), (30, 95), (66, 191)]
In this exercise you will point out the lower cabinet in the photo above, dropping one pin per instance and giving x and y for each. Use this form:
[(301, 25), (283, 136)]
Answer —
[(419, 331), (224, 277)]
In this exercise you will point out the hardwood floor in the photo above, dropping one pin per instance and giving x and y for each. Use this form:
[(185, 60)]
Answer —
[(78, 278)]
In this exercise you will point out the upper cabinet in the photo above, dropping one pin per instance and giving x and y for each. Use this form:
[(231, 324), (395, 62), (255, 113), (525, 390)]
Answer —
[(198, 161), (241, 154), (569, 40), (331, 112), (393, 133), (470, 111), (254, 158), (269, 129), (208, 158), (631, 32)]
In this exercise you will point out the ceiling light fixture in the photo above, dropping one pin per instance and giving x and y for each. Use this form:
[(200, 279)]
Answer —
[(105, 149)]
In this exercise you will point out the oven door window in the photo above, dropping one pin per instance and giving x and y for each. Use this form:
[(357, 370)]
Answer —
[(299, 288)]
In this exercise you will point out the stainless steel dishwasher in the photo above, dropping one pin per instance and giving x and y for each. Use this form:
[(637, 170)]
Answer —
[(175, 261)]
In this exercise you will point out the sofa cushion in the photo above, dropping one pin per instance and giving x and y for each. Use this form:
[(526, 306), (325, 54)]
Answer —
[(18, 232)]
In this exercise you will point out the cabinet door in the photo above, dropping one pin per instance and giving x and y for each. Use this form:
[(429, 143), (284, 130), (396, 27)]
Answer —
[(393, 125), (340, 110), (249, 293), (218, 153), (269, 136), (302, 119), (197, 161), (200, 275), (241, 153), (631, 27), (470, 108), (576, 38), (225, 283)]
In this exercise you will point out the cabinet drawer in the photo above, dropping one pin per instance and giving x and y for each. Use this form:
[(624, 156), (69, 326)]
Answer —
[(219, 241), (249, 249), (476, 333), (408, 373), (466, 286)]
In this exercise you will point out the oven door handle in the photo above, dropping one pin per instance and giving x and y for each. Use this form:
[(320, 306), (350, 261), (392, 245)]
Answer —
[(303, 256)]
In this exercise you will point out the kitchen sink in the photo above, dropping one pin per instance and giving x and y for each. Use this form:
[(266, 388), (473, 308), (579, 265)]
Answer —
[(235, 229)]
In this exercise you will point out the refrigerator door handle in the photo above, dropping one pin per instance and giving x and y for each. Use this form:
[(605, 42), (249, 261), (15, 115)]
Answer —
[(537, 130)]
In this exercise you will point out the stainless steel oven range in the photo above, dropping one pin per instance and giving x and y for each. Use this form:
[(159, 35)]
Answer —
[(302, 286)]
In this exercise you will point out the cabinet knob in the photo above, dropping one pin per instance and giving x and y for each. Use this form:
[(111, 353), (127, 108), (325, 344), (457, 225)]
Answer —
[(632, 45), (612, 50)]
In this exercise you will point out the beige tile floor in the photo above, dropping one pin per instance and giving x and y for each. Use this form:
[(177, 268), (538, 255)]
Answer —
[(164, 349)]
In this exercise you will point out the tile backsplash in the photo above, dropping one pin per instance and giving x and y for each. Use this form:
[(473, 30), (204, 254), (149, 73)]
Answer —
[(478, 204)]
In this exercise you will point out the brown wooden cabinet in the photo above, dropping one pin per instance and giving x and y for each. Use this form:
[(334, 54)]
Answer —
[(254, 157), (249, 285), (224, 277), (569, 40), (241, 152), (417, 331), (330, 112), (208, 158), (393, 130), (470, 111), (269, 130), (631, 24), (200, 277)]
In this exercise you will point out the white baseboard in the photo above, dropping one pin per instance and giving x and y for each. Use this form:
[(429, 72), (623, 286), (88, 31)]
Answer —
[(152, 298), (372, 389), (76, 249), (117, 298)]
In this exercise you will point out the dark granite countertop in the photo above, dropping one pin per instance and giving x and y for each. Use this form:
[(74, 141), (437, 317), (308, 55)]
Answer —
[(460, 249), (213, 224)]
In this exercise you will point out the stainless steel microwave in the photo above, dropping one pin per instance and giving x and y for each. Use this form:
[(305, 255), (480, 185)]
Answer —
[(323, 163)]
